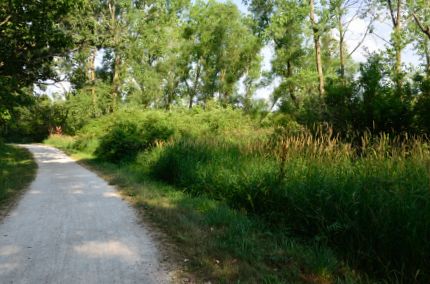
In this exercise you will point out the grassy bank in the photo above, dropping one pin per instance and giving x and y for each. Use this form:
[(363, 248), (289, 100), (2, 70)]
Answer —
[(273, 204), (373, 210), (17, 170), (215, 242)]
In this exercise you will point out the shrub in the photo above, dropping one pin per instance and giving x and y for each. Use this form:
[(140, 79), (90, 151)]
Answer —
[(122, 142), (126, 137)]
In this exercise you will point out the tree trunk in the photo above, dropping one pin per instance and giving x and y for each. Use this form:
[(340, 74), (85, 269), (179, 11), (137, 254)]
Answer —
[(341, 46), (193, 93), (290, 86), (117, 61), (223, 96), (427, 55), (398, 57), (317, 45), (115, 81), (190, 103), (92, 77), (169, 100), (397, 42)]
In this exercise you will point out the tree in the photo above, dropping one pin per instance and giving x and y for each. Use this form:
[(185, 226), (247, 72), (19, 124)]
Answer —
[(316, 29), (287, 32), (420, 11), (155, 54), (344, 13), (396, 13), (421, 15), (32, 34), (222, 48)]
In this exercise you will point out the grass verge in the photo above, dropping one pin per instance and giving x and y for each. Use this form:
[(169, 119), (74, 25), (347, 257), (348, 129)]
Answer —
[(17, 170), (216, 243)]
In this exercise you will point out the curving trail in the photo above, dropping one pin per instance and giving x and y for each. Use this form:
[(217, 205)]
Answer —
[(72, 227)]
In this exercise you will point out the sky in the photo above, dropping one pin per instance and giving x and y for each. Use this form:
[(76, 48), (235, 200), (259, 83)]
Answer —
[(357, 28), (372, 43)]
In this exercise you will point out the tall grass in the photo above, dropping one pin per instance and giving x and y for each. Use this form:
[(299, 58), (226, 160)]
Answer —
[(371, 204), (370, 201)]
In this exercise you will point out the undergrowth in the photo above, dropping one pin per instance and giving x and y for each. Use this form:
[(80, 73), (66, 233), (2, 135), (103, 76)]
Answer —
[(17, 169), (365, 205)]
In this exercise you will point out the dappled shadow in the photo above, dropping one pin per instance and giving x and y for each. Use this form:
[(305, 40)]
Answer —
[(216, 242), (72, 227)]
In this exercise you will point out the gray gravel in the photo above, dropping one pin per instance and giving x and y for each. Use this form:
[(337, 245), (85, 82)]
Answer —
[(72, 227)]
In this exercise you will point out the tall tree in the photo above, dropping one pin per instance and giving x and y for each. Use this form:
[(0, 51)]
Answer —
[(154, 56), (223, 47), (421, 14), (32, 34), (345, 12), (395, 9), (420, 10), (318, 28), (287, 32)]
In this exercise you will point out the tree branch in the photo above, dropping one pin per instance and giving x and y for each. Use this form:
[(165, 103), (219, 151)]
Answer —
[(425, 30), (380, 37), (369, 27), (5, 21), (393, 18)]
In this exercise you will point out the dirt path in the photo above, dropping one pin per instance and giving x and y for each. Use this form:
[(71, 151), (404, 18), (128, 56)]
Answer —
[(72, 227)]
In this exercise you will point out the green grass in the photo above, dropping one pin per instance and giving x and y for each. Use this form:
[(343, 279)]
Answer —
[(222, 245), (277, 205), (372, 209), (17, 170)]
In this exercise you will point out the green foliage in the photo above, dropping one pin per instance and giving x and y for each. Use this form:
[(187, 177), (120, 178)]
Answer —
[(352, 203), (222, 244), (220, 49), (150, 127), (422, 105), (121, 143), (125, 139), (370, 103), (367, 198), (31, 34), (217, 170), (34, 122), (369, 203)]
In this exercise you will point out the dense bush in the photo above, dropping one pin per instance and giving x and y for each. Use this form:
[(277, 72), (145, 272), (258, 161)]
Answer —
[(120, 143), (121, 135), (125, 139), (32, 122)]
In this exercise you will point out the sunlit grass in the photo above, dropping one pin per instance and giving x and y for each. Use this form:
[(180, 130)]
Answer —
[(369, 203), (285, 205), (217, 243)]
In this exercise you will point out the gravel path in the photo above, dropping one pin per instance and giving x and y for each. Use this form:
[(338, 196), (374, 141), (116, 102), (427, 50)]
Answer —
[(72, 227)]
